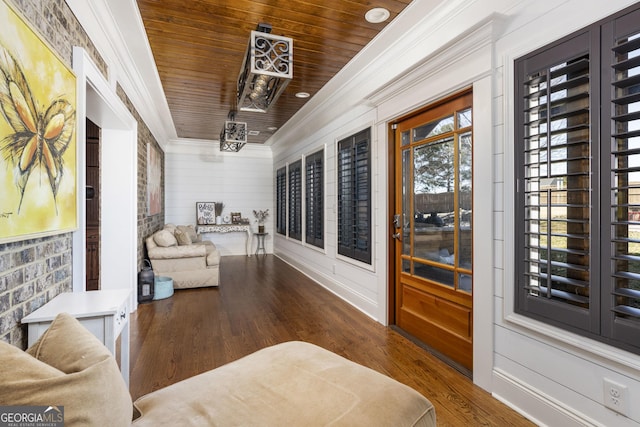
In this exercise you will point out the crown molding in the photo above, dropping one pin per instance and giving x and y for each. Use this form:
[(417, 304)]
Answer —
[(115, 28), (420, 31), (210, 147)]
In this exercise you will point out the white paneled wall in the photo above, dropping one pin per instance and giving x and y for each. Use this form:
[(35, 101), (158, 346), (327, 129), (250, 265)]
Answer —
[(357, 283), (243, 181)]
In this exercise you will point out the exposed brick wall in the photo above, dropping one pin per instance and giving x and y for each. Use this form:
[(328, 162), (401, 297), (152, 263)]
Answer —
[(147, 225), (34, 271)]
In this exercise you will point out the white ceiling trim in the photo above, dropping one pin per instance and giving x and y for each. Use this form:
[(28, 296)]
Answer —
[(212, 148), (472, 40), (115, 27), (416, 33)]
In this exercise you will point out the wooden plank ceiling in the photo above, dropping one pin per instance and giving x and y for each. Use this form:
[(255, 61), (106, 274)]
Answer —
[(199, 46)]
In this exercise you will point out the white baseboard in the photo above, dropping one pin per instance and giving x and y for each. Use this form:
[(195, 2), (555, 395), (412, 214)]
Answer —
[(527, 401)]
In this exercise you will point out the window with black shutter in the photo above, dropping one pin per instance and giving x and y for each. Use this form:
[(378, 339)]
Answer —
[(281, 200), (295, 200), (314, 199), (577, 139), (354, 196)]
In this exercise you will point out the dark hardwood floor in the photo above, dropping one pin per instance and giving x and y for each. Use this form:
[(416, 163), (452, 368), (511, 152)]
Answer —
[(263, 301)]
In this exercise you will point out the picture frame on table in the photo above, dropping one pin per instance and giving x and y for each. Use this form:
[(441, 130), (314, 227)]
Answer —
[(205, 213), (236, 217)]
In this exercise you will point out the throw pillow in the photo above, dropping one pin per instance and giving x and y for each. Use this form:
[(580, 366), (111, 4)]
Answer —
[(182, 237), (24, 379), (67, 367), (165, 238), (190, 230)]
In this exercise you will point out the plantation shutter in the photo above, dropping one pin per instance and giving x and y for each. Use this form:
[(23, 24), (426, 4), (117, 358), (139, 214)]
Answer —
[(295, 200), (553, 202), (314, 199), (578, 182), (621, 131), (281, 201), (354, 197)]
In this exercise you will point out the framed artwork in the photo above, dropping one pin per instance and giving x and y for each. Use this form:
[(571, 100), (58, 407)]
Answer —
[(154, 174), (206, 213), (236, 217), (38, 164)]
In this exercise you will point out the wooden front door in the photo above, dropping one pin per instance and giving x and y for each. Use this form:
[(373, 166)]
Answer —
[(432, 227)]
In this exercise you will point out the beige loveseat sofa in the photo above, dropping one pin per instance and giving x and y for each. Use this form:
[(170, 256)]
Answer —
[(289, 384), (180, 253)]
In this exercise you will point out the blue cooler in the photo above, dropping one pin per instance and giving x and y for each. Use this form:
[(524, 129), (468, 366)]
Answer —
[(163, 287)]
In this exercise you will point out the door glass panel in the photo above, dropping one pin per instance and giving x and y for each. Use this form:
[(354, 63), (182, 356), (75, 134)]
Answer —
[(433, 273), (405, 218), (406, 138), (406, 266), (464, 118), (465, 209), (434, 128), (433, 187), (464, 282)]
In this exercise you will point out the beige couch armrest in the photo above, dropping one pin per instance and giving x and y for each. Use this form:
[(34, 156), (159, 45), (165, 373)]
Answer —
[(172, 252)]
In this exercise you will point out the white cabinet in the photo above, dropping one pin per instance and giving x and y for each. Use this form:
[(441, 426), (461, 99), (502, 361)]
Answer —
[(104, 313)]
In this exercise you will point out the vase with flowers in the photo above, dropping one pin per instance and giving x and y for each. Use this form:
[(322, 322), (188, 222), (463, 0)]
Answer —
[(261, 216), (218, 207)]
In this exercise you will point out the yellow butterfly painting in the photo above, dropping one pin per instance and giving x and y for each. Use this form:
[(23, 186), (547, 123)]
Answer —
[(40, 137)]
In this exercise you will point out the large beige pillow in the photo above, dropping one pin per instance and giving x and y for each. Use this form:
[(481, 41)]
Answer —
[(182, 237), (191, 231), (67, 367), (165, 238)]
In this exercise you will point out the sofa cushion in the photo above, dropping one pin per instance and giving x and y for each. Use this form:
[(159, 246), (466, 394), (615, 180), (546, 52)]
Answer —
[(293, 383), (182, 237), (20, 367), (177, 252), (67, 367), (191, 231), (165, 238), (68, 346)]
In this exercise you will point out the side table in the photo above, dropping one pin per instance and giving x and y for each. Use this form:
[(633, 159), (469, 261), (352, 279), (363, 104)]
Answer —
[(228, 228), (104, 313), (260, 246)]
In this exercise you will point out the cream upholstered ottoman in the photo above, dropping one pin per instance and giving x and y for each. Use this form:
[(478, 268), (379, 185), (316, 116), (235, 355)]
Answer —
[(289, 384)]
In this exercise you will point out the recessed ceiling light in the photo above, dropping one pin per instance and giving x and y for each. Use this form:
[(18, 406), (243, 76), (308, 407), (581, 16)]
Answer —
[(302, 95), (272, 128), (377, 15), (254, 132)]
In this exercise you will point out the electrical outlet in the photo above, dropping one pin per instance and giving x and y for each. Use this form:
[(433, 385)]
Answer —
[(616, 397)]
